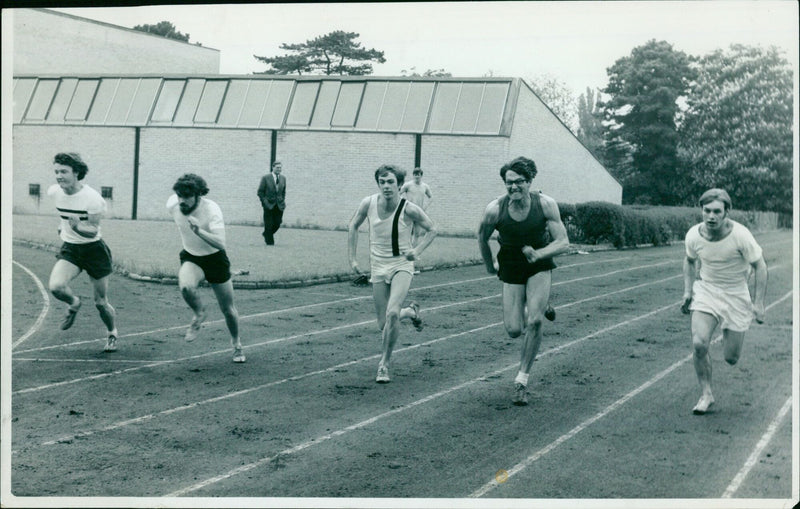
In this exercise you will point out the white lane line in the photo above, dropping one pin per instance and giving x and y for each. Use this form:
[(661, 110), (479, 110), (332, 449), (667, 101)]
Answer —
[(489, 486), (45, 307), (325, 303), (345, 364), (733, 487), (104, 361), (308, 334), (371, 420)]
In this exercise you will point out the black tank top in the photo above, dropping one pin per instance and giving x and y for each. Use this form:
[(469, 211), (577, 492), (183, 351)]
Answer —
[(529, 232)]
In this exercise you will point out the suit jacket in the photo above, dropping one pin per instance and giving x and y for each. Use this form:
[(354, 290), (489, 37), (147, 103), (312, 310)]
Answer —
[(269, 194)]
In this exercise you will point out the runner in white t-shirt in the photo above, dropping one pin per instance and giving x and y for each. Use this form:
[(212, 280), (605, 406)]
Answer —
[(391, 255), (80, 208), (203, 256), (720, 297)]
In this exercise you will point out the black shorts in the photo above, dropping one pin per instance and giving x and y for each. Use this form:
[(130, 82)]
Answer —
[(515, 268), (94, 257), (216, 266)]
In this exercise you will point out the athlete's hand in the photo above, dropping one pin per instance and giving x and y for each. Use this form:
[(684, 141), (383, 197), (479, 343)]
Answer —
[(494, 268), (193, 224), (760, 312), (530, 254), (411, 254), (687, 300), (74, 222)]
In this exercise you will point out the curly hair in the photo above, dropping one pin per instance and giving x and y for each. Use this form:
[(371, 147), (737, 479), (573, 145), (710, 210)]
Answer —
[(398, 172), (521, 166), (190, 185), (74, 161)]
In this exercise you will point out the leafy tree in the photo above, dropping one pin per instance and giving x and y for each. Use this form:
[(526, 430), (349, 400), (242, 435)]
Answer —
[(164, 29), (640, 121), (737, 132), (333, 53), (590, 127), (558, 97), (430, 73)]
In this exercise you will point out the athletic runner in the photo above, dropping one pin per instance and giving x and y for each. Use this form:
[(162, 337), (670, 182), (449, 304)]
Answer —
[(80, 208), (391, 255), (720, 296), (203, 256), (418, 193), (525, 259)]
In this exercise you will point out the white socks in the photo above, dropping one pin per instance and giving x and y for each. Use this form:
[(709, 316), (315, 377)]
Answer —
[(522, 378)]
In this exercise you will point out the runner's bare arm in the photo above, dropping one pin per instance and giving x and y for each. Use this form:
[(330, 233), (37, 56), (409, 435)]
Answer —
[(689, 275), (352, 232), (558, 233), (87, 228), (487, 226), (760, 271), (215, 238), (422, 220)]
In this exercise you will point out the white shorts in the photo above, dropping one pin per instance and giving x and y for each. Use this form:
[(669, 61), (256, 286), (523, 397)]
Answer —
[(732, 308), (382, 270)]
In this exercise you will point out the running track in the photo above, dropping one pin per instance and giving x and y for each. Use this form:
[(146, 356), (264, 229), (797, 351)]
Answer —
[(610, 394)]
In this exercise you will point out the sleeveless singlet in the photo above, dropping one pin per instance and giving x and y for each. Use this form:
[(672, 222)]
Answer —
[(380, 231), (528, 232)]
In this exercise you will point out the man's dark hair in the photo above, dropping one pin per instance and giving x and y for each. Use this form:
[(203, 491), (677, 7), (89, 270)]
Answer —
[(716, 194), (399, 173), (74, 161), (417, 171), (190, 185), (521, 166)]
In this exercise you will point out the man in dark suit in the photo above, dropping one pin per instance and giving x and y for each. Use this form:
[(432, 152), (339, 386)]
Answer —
[(272, 193)]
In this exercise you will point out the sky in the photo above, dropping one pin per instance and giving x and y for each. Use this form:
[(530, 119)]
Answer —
[(574, 42)]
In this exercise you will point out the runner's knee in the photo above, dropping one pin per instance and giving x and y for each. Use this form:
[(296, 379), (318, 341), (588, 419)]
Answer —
[(699, 345), (58, 287), (513, 331)]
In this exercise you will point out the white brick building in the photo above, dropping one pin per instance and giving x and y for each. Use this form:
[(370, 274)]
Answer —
[(139, 130), (51, 42)]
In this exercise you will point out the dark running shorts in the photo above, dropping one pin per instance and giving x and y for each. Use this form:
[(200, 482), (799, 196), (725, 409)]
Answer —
[(216, 266), (515, 269), (94, 257)]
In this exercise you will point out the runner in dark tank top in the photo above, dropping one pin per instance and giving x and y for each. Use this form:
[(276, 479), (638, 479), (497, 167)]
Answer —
[(525, 259), (513, 235)]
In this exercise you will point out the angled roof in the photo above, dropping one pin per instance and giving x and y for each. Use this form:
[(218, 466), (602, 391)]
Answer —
[(464, 106)]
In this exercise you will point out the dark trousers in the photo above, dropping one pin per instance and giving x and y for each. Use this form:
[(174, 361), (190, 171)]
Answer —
[(272, 221)]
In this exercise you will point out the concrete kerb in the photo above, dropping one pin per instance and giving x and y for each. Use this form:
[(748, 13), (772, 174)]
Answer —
[(296, 283)]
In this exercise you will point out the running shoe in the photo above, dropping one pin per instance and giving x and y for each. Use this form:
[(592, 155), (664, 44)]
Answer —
[(72, 312), (550, 313), (111, 343), (416, 320), (238, 355), (383, 375), (194, 327), (520, 396)]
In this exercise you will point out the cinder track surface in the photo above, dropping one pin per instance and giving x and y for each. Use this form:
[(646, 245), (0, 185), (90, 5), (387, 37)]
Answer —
[(610, 394)]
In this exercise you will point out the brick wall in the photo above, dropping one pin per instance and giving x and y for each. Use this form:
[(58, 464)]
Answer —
[(107, 151), (57, 43), (231, 161), (462, 172), (567, 171), (328, 173)]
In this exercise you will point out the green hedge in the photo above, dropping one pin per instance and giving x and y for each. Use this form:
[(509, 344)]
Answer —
[(599, 222)]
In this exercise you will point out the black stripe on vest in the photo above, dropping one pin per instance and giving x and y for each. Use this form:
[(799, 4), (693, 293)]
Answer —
[(395, 240)]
